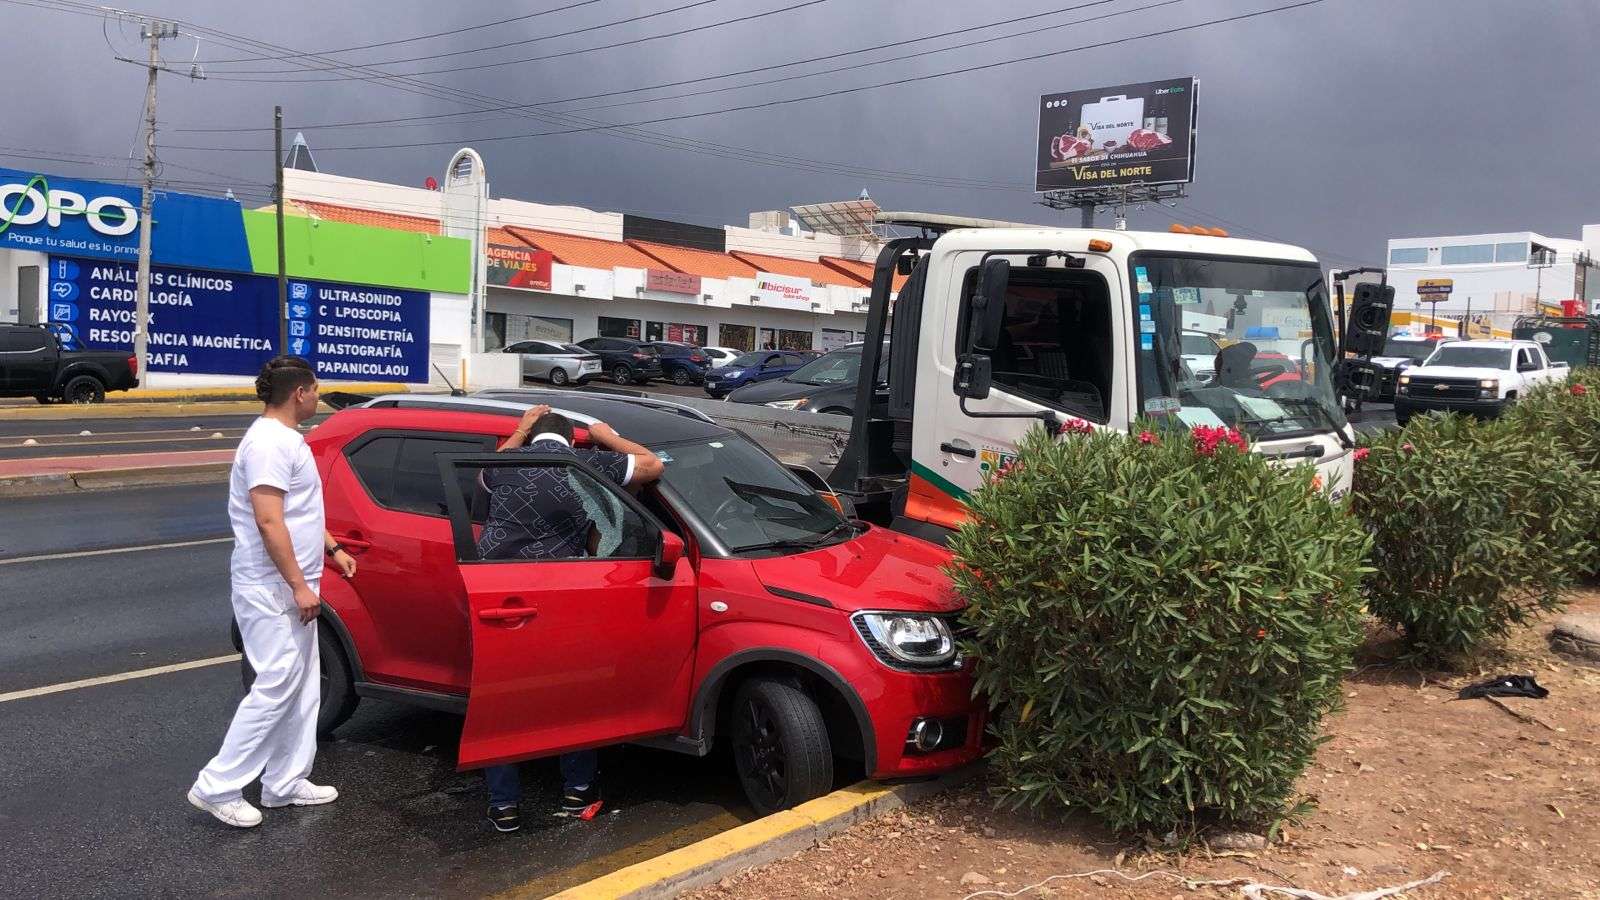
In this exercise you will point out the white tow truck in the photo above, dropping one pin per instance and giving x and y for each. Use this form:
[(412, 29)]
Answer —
[(1479, 378), (1000, 327)]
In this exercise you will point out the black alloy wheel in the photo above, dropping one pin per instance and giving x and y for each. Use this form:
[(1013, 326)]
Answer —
[(780, 745), (622, 374), (84, 389), (680, 376)]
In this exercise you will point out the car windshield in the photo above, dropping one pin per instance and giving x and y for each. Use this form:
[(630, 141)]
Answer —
[(838, 367), (1471, 357), (748, 499), (749, 360), (1274, 366), (1199, 344), (1407, 348)]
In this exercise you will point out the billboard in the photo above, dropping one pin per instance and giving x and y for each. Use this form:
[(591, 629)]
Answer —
[(1127, 134), (519, 267)]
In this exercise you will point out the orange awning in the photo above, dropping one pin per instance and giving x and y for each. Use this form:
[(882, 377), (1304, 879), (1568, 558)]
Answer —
[(353, 215), (593, 253), (855, 268), (800, 268), (704, 263)]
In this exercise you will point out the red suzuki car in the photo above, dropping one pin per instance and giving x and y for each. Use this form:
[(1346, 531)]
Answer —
[(728, 601)]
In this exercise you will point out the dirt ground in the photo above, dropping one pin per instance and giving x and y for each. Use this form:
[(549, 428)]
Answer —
[(1412, 783)]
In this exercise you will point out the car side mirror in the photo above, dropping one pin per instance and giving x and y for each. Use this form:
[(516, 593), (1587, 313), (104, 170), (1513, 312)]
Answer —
[(1527, 367), (668, 551)]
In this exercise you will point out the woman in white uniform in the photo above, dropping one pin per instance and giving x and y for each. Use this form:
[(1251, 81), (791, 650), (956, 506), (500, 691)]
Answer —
[(275, 508)]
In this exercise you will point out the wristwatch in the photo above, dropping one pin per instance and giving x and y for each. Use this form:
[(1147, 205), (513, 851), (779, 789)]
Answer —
[(334, 550)]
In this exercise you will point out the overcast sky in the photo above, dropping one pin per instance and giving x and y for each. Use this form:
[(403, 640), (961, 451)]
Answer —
[(1335, 126)]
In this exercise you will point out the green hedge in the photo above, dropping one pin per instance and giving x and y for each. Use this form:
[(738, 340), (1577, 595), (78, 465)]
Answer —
[(1160, 623)]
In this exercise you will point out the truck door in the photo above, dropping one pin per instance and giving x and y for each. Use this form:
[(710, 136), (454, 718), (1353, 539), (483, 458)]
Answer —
[(1063, 348), (572, 650)]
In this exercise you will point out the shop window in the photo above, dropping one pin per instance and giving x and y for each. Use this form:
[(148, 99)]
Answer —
[(677, 332), (618, 328), (535, 328), (737, 337), (794, 340), (1513, 253), (768, 339), (494, 326), (1407, 256), (833, 339), (1466, 254)]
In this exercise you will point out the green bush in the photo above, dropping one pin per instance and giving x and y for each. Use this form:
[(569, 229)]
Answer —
[(1568, 411), (1160, 624), (1477, 527)]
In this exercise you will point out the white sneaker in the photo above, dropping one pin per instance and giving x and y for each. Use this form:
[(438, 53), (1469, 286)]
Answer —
[(304, 794), (238, 813)]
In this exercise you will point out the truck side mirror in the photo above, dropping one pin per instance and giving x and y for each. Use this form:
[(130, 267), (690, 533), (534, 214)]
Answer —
[(988, 306), (974, 374)]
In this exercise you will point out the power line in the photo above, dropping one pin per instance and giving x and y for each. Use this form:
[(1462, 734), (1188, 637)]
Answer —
[(756, 70), (420, 37), (912, 79)]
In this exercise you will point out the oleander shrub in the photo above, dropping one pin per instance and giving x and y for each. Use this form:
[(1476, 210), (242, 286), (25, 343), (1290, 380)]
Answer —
[(1477, 527), (1160, 623)]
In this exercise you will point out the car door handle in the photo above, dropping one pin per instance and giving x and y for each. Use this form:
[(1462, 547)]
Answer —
[(351, 542), (968, 452), (505, 613)]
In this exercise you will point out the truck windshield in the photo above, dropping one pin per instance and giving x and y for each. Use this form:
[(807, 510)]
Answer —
[(1471, 357), (747, 498), (1271, 377), (1401, 348)]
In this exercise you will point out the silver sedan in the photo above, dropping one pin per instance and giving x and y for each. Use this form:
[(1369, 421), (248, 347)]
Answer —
[(556, 362)]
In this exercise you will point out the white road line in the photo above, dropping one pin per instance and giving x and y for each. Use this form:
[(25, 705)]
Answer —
[(85, 442), (110, 550), (113, 679)]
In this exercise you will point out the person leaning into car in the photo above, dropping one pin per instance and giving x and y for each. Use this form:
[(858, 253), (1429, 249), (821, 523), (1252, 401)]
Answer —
[(279, 540), (534, 513)]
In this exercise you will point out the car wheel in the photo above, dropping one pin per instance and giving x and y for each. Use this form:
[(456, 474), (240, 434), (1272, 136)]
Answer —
[(339, 698), (558, 377), (680, 377), (622, 375), (780, 745), (84, 389)]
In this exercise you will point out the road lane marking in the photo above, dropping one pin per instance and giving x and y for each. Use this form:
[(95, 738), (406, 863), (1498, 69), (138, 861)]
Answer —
[(77, 554), (77, 442), (113, 679)]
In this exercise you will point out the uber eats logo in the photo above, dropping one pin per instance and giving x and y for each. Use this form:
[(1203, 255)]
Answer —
[(36, 202)]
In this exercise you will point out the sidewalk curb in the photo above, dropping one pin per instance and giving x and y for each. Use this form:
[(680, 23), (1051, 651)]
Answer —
[(756, 843), (111, 479)]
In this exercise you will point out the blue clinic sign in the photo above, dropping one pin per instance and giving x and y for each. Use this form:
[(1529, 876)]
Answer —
[(215, 323), (353, 333), (97, 219), (220, 323)]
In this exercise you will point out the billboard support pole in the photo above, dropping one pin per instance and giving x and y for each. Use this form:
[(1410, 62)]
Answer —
[(1087, 209)]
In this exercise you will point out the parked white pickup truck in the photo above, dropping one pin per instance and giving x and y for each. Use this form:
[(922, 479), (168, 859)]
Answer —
[(1479, 378)]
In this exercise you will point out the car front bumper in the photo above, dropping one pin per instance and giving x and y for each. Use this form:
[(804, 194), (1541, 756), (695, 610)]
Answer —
[(1406, 404), (908, 697)]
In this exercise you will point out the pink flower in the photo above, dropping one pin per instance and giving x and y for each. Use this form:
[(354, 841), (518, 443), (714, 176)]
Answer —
[(1207, 438), (1578, 390), (1146, 437), (1077, 426), (1407, 447), (1361, 453)]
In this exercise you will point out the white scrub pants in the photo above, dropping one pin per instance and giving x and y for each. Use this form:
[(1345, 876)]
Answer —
[(274, 731)]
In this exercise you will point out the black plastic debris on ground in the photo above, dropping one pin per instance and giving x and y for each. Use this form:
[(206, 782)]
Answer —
[(1505, 686)]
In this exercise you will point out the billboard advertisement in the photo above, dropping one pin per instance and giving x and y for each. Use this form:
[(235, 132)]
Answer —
[(1126, 134), (519, 267), (354, 333)]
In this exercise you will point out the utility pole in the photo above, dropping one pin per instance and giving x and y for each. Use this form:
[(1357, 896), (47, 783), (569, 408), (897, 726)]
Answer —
[(277, 196)]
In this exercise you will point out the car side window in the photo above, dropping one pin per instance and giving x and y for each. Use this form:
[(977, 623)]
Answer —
[(22, 340), (552, 512), (401, 472)]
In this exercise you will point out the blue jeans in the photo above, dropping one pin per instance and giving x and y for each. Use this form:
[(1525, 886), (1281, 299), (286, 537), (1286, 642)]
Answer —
[(578, 769)]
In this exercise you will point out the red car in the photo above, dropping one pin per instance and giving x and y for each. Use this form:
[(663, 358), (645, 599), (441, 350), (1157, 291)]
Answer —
[(729, 601)]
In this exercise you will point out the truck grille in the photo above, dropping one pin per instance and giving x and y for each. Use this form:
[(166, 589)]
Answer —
[(1443, 389)]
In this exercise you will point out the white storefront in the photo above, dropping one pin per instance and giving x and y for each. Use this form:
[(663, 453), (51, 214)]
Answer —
[(1500, 275)]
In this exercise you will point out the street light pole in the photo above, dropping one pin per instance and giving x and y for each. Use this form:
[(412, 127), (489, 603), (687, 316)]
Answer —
[(153, 31), (277, 196)]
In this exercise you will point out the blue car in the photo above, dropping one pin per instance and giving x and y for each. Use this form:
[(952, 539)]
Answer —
[(757, 365)]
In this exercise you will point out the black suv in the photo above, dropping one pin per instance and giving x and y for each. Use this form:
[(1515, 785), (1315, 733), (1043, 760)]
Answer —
[(626, 360), (682, 363), (34, 364)]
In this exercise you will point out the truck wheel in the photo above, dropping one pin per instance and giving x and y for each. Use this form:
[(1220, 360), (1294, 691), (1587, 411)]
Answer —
[(84, 389), (558, 377), (780, 745), (339, 698)]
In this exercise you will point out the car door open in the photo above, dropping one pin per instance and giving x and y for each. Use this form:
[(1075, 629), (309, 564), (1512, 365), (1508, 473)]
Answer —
[(585, 645)]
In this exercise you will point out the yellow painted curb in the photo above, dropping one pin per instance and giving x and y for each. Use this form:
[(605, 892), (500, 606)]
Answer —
[(757, 843)]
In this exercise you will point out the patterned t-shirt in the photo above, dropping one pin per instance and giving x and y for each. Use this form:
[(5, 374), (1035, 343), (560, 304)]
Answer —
[(535, 512)]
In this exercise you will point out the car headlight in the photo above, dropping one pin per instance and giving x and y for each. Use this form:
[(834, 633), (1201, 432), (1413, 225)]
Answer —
[(731, 373), (907, 640), (787, 404)]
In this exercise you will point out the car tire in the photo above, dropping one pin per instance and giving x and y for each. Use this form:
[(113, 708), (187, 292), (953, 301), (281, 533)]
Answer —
[(84, 389), (781, 749), (339, 698), (622, 375), (558, 377), (680, 377)]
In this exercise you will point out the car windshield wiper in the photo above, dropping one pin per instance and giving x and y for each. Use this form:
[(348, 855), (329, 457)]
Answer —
[(1321, 414), (809, 543)]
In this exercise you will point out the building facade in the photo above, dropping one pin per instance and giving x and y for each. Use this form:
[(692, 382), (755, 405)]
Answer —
[(1494, 278)]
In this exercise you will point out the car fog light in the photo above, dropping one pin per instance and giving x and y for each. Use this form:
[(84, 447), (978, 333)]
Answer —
[(926, 734)]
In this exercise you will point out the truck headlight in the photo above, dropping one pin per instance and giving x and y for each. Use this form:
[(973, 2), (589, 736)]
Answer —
[(1405, 379), (907, 640), (787, 404), (1489, 384)]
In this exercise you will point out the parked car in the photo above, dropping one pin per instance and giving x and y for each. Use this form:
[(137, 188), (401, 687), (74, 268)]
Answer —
[(735, 605), (626, 360), (1399, 354), (35, 363), (827, 384), (757, 365), (556, 362), (721, 356), (1479, 378), (682, 363), (1200, 353)]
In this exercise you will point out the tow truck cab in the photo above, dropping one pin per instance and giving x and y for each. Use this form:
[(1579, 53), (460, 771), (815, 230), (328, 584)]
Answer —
[(999, 327)]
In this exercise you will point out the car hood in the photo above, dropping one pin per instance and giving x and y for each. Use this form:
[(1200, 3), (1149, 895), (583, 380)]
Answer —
[(1390, 362), (775, 389), (1457, 372), (880, 569)]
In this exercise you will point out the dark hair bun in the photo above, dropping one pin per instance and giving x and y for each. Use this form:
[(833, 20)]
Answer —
[(280, 376)]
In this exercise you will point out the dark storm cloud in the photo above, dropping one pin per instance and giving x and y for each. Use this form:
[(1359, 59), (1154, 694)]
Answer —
[(1335, 126)]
